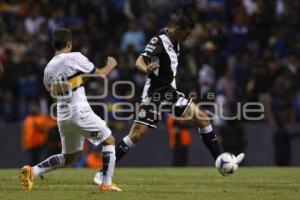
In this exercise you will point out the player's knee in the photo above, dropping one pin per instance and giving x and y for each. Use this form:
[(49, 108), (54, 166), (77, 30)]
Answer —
[(110, 140), (138, 133), (204, 123), (200, 118)]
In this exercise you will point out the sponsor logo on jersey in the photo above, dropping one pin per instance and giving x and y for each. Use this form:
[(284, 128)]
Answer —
[(142, 113), (94, 134), (154, 40), (150, 48)]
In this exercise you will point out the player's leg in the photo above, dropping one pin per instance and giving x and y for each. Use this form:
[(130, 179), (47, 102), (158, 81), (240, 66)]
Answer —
[(191, 112), (97, 132), (147, 117), (109, 161), (198, 117), (72, 144), (55, 161), (136, 132), (29, 173), (59, 160)]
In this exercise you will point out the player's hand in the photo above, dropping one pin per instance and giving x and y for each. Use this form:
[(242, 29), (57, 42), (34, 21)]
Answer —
[(152, 67), (111, 62)]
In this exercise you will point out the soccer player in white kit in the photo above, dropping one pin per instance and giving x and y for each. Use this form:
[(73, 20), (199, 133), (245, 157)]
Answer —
[(75, 118)]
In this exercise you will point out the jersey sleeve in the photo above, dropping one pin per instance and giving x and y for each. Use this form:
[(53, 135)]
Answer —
[(46, 82), (153, 48), (82, 64)]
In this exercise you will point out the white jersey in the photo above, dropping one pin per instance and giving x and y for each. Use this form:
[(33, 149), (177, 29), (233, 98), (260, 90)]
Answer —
[(67, 67), (75, 118)]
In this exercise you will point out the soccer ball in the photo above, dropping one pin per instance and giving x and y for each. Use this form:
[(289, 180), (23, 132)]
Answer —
[(227, 164)]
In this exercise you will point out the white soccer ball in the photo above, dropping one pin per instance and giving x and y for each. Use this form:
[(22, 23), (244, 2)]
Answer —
[(227, 163)]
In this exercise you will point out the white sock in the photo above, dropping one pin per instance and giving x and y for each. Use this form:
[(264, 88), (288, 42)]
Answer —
[(109, 161), (205, 130), (128, 141), (49, 164)]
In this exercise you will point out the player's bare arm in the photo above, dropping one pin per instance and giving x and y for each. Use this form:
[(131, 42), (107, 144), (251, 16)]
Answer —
[(146, 67), (110, 65), (62, 87)]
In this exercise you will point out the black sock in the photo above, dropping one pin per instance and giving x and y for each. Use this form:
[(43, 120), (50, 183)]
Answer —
[(121, 149), (211, 142)]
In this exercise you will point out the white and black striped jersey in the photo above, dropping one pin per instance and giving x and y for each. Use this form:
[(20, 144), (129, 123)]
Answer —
[(160, 48)]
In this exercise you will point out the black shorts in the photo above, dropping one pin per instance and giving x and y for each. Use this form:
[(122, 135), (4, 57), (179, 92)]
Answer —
[(165, 100)]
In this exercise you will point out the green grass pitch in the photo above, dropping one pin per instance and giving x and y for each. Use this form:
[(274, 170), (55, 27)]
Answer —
[(159, 184)]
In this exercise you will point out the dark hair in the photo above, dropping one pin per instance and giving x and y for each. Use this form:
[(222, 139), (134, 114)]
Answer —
[(60, 37), (184, 22)]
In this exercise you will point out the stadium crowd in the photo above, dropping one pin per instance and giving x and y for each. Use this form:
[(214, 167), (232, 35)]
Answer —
[(240, 50)]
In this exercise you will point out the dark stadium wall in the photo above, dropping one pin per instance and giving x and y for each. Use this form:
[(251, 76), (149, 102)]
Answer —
[(153, 150)]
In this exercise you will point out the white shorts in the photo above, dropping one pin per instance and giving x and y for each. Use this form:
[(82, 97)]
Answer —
[(83, 123)]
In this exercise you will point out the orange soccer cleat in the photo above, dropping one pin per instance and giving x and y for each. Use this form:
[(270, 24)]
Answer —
[(27, 177), (110, 188)]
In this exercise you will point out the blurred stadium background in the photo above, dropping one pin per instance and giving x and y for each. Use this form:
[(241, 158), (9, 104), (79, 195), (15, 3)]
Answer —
[(240, 50)]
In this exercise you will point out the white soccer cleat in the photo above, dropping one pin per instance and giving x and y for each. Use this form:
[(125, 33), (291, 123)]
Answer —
[(98, 178), (240, 158), (227, 163)]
